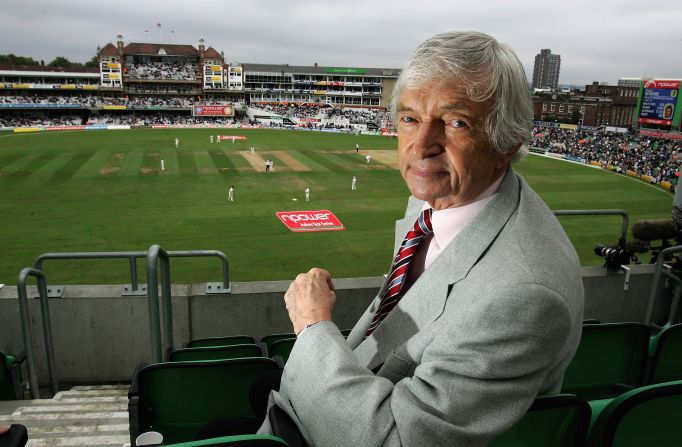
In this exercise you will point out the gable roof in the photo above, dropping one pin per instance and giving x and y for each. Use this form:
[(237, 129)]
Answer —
[(211, 53), (153, 49), (109, 50)]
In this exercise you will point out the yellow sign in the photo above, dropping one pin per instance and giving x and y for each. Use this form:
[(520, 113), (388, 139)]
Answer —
[(17, 85), (666, 185), (319, 92), (89, 87), (27, 129), (216, 78), (568, 126), (113, 65), (67, 86), (114, 107), (216, 68), (114, 76)]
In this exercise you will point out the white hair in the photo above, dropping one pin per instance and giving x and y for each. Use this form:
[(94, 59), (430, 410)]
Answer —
[(490, 70)]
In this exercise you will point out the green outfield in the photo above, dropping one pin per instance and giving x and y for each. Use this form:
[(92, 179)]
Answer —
[(104, 191)]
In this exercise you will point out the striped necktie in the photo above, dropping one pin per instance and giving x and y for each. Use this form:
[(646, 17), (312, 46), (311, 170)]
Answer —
[(401, 264)]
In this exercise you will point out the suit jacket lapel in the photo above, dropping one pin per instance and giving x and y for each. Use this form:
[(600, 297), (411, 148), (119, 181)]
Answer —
[(425, 300)]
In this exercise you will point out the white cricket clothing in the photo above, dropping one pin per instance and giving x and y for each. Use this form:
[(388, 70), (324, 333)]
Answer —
[(353, 185)]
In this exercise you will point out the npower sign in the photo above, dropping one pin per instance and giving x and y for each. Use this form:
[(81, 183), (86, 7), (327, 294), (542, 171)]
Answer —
[(320, 220)]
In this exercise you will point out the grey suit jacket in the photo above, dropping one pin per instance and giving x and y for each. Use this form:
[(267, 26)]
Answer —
[(492, 322)]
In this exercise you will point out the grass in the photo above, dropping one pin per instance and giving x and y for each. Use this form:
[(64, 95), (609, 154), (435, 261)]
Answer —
[(103, 191)]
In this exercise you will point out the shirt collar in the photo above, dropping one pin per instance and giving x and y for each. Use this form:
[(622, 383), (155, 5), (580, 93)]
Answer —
[(449, 222)]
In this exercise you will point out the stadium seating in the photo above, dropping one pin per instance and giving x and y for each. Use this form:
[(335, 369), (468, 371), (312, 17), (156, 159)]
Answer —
[(281, 348), (216, 353), (268, 340), (10, 376), (611, 358), (221, 341), (666, 355), (558, 421), (647, 416), (177, 399)]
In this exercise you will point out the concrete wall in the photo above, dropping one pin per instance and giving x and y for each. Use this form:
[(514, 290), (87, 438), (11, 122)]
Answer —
[(100, 335)]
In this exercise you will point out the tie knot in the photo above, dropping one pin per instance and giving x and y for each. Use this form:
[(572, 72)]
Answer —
[(423, 225)]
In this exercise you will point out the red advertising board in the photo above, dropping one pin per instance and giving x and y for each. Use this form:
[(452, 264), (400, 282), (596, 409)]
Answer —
[(201, 110), (317, 220)]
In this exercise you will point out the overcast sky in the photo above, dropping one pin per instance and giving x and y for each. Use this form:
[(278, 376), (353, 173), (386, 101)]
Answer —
[(598, 40)]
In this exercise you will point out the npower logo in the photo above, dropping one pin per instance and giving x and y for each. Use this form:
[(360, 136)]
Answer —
[(320, 220), (661, 84)]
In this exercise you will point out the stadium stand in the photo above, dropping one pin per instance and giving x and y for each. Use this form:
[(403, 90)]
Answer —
[(611, 358), (11, 376), (644, 416), (644, 155), (215, 353), (221, 341), (666, 359), (177, 399), (559, 421)]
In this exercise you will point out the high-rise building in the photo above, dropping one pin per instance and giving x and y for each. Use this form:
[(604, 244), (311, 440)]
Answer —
[(546, 70)]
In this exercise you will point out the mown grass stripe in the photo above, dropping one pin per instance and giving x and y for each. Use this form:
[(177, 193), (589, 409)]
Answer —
[(170, 159), (8, 159), (222, 161), (130, 165), (313, 165), (30, 169), (340, 162), (322, 160), (238, 161), (204, 162), (19, 163), (91, 168), (355, 160), (72, 166), (186, 162)]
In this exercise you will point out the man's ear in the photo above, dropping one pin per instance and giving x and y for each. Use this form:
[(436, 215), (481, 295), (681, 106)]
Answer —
[(504, 160)]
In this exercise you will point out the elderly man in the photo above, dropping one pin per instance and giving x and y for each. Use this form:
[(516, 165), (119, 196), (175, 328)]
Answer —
[(482, 308)]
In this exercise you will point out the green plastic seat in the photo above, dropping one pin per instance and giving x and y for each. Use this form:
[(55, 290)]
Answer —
[(10, 378), (222, 341), (555, 420), (646, 416), (236, 441), (177, 399), (666, 359), (611, 358), (282, 348), (215, 353), (268, 340)]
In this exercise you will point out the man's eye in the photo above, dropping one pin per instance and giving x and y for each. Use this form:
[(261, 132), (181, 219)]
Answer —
[(458, 124), (408, 119)]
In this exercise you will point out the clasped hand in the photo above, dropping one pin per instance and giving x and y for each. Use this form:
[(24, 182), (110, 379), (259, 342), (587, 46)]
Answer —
[(310, 298)]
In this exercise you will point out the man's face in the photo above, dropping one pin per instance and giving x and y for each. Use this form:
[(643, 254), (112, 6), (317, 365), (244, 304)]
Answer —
[(443, 151)]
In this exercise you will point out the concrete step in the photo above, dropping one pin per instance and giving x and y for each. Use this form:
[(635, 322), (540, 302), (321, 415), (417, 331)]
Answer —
[(84, 416)]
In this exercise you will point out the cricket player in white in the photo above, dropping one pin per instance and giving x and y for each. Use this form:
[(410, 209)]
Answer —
[(307, 194), (367, 157), (177, 143), (230, 194), (353, 185), (357, 147), (211, 139), (163, 165), (253, 150)]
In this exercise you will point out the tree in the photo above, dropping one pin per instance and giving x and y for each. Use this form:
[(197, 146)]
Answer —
[(12, 59), (94, 62), (61, 61)]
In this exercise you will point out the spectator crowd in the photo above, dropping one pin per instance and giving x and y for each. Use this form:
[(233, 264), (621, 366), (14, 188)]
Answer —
[(644, 155)]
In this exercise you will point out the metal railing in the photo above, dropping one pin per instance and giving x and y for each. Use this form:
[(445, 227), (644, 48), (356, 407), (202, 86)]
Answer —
[(132, 257), (660, 271), (26, 329), (155, 252)]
